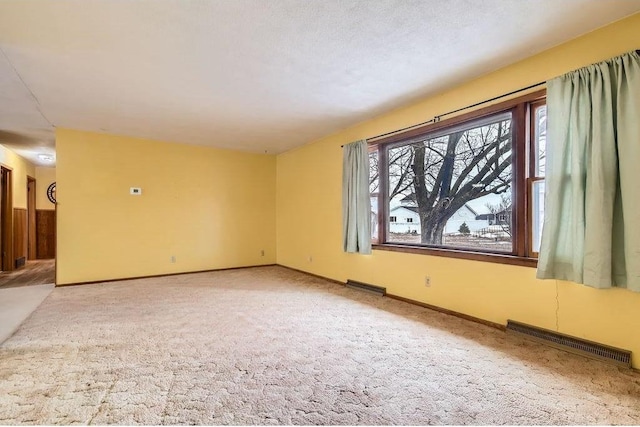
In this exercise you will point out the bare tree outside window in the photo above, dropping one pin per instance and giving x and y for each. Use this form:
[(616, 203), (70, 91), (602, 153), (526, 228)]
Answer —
[(540, 140), (374, 185), (501, 212), (444, 173), (374, 172)]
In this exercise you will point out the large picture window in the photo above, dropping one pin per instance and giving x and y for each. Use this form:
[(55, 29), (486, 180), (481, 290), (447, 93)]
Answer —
[(468, 186)]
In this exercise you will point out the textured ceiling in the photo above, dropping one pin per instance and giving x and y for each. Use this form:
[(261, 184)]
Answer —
[(251, 74)]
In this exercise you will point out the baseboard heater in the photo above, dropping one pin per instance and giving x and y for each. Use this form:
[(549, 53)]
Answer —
[(378, 290), (572, 344)]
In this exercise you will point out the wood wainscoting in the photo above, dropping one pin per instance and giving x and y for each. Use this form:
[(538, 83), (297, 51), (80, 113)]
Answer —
[(20, 237), (45, 234)]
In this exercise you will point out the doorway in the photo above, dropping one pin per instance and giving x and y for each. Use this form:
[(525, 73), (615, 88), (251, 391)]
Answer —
[(27, 236), (31, 218), (6, 216)]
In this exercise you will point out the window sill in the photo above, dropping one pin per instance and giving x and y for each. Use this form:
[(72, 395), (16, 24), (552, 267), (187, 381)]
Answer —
[(460, 254)]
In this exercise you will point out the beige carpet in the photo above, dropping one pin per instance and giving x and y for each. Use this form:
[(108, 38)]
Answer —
[(272, 346)]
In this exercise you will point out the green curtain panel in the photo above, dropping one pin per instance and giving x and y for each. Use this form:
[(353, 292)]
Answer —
[(356, 205), (591, 232)]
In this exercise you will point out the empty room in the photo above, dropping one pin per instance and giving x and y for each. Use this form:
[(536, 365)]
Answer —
[(327, 212)]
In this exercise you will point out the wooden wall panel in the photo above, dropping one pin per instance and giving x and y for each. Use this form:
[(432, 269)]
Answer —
[(45, 234), (20, 238)]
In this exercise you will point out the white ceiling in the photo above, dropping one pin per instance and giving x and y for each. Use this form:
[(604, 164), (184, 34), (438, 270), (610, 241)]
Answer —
[(251, 74)]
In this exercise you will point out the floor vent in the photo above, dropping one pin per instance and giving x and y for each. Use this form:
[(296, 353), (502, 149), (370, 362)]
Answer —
[(572, 344), (378, 290)]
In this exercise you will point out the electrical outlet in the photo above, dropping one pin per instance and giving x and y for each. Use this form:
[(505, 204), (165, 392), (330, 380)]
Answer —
[(427, 281), (173, 259), (262, 252)]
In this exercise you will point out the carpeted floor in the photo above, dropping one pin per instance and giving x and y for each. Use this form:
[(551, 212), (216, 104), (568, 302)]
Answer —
[(272, 346)]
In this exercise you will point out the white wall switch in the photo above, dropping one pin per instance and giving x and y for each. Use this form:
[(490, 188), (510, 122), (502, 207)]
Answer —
[(135, 191)]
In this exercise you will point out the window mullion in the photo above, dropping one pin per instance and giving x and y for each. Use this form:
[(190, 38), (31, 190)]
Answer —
[(383, 203), (520, 242)]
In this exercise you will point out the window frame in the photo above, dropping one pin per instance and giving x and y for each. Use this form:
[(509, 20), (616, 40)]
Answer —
[(522, 109), (532, 176)]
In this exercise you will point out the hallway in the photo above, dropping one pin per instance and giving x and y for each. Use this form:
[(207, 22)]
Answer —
[(37, 272)]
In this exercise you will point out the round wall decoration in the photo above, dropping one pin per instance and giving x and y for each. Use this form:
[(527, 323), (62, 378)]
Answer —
[(51, 192)]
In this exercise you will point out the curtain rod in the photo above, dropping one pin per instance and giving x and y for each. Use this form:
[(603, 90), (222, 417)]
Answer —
[(437, 118)]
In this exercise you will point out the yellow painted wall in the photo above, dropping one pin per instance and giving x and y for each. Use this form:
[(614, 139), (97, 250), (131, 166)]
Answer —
[(20, 168), (210, 208), (309, 218), (44, 177)]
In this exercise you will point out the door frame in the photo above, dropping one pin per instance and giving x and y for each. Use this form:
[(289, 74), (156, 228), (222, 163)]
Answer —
[(7, 261), (31, 218)]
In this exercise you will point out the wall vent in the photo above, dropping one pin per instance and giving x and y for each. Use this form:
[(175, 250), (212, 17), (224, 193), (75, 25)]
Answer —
[(571, 344), (21, 262), (378, 290)]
